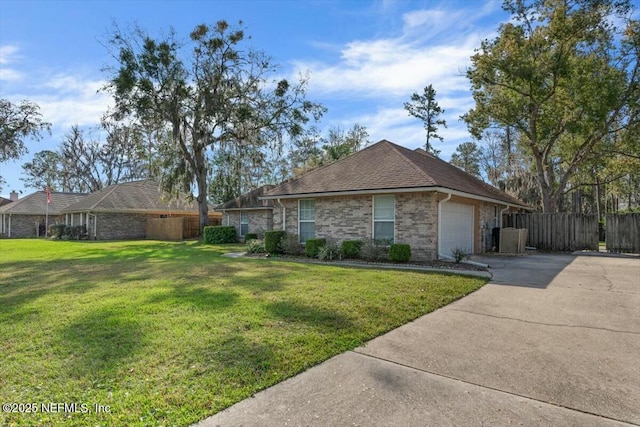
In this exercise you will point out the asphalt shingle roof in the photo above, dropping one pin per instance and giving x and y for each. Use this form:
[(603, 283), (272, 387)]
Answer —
[(249, 200), (36, 203), (136, 196), (387, 166)]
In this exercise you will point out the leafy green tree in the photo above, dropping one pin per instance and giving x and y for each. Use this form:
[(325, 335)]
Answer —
[(467, 157), (565, 77), (207, 93), (425, 107), (83, 164), (506, 166), (17, 123), (316, 150), (44, 170), (339, 143)]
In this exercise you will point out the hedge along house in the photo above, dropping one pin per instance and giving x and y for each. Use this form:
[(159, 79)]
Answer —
[(388, 192), (27, 217), (248, 213), (120, 211)]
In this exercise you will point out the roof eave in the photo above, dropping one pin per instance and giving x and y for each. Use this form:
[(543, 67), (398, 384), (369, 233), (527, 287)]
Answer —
[(397, 190), (249, 208)]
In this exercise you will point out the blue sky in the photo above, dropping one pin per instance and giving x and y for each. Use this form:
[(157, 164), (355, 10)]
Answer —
[(365, 58)]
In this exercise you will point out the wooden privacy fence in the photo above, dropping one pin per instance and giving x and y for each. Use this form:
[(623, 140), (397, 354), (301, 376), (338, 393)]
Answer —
[(557, 231), (176, 228), (191, 227), (165, 228), (623, 233)]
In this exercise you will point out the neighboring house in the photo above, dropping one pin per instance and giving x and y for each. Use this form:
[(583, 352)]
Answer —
[(4, 201), (120, 211), (388, 192), (248, 214), (28, 217)]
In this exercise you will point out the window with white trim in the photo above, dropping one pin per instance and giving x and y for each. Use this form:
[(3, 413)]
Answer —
[(306, 219), (244, 222), (384, 217)]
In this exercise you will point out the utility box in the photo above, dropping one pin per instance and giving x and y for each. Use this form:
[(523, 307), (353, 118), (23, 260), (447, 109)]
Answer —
[(512, 240)]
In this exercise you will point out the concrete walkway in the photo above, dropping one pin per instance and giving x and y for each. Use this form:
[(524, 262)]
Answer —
[(552, 340)]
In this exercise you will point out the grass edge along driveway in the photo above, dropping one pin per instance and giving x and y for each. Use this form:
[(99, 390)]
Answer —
[(160, 333)]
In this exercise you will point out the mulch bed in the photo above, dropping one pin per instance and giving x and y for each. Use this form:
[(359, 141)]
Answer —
[(444, 265)]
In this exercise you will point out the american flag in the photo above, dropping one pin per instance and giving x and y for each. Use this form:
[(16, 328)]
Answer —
[(48, 190)]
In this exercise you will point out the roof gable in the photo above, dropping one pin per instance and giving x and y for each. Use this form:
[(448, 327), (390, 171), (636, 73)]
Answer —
[(387, 166), (4, 201), (250, 200)]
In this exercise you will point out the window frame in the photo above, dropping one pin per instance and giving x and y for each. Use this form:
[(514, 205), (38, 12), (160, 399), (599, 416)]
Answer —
[(374, 220), (306, 221), (242, 214)]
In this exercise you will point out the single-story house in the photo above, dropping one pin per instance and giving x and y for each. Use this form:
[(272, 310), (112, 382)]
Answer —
[(390, 193), (248, 214), (120, 211), (28, 217)]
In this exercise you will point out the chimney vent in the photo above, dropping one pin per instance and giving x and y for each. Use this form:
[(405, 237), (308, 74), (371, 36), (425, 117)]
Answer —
[(13, 196)]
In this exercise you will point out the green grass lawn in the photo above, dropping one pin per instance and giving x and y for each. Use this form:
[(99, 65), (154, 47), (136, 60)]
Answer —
[(170, 333)]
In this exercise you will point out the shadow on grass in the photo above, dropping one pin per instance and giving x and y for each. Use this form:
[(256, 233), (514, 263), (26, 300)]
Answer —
[(196, 297), (22, 281), (98, 343), (240, 359), (311, 316)]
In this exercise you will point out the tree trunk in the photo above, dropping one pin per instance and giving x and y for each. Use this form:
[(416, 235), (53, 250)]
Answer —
[(598, 198), (201, 180)]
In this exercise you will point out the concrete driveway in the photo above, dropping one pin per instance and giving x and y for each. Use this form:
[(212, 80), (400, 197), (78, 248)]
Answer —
[(551, 340)]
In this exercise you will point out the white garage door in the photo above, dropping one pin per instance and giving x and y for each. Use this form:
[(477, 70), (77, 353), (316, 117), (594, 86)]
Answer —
[(456, 228)]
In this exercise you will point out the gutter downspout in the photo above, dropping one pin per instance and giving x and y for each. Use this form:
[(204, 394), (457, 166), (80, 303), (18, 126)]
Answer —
[(502, 213), (284, 214), (440, 255)]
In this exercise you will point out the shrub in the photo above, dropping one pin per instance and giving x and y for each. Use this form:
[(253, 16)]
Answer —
[(272, 241), (290, 245), (459, 254), (329, 251), (56, 231), (255, 246), (312, 246), (76, 231), (374, 250), (250, 236), (400, 252), (63, 231), (219, 234), (351, 248)]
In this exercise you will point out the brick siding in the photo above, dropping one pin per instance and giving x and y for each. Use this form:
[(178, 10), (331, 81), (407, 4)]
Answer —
[(25, 225), (115, 226), (260, 220)]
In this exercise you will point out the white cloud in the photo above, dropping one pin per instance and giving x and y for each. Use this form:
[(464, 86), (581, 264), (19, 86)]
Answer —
[(9, 74), (66, 100), (73, 100), (9, 55), (434, 47)]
